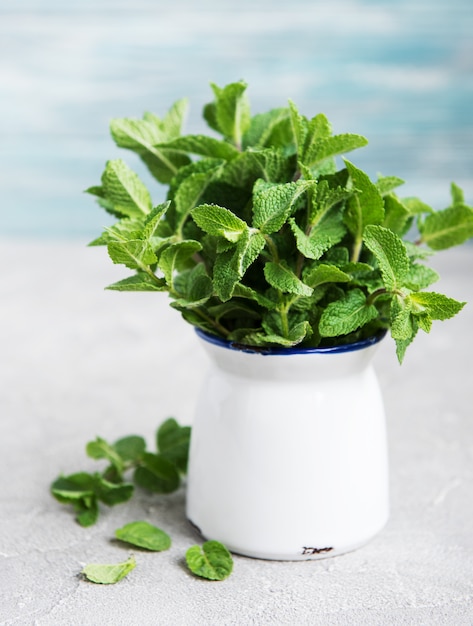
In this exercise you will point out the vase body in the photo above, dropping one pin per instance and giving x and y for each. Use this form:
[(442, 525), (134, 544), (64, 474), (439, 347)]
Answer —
[(288, 456)]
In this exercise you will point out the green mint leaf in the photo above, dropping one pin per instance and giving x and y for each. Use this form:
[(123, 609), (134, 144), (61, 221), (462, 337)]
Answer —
[(143, 137), (204, 146), (87, 512), (269, 129), (193, 286), (144, 535), (272, 165), (124, 189), (191, 188), (139, 282), (458, 197), (420, 277), (78, 490), (300, 127), (67, 489), (232, 111), (151, 227), (175, 257), (323, 274), (108, 574), (218, 221), (157, 474), (390, 253), (100, 449), (112, 493), (401, 324), (231, 265), (396, 216), (131, 448), (318, 129), (386, 184), (323, 149), (173, 442), (415, 206), (450, 227), (134, 254), (347, 314), (324, 200), (281, 277), (174, 119), (272, 205), (325, 235), (213, 561), (366, 206), (436, 305)]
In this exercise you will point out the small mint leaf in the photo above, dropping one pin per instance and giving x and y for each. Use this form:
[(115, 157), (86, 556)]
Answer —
[(347, 314), (325, 273), (386, 184), (232, 111), (272, 205), (213, 561), (218, 221), (157, 474), (174, 258), (124, 189), (366, 206), (447, 228), (390, 253), (134, 254), (173, 442), (325, 235), (144, 535), (204, 146), (140, 282), (436, 305), (327, 147), (108, 574), (281, 277), (401, 324)]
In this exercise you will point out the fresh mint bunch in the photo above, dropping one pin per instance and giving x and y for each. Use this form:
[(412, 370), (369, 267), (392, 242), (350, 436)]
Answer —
[(264, 239), (158, 472)]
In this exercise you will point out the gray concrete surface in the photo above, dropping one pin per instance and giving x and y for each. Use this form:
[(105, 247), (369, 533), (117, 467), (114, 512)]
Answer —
[(77, 361)]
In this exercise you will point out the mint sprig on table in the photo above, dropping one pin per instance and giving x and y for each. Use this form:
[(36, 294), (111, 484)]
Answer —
[(263, 239), (129, 464), (84, 491)]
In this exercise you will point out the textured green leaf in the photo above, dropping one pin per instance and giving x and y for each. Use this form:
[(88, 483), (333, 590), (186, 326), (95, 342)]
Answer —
[(153, 221), (416, 206), (366, 206), (173, 442), (447, 228), (108, 574), (101, 449), (157, 474), (130, 448), (272, 205), (396, 215), (438, 306), (134, 254), (175, 256), (218, 221), (139, 282), (332, 146), (458, 197), (386, 184), (203, 145), (318, 129), (281, 277), (125, 190), (144, 535), (300, 126), (213, 561), (326, 234), (272, 128), (73, 487), (324, 200), (420, 277), (112, 493), (347, 314), (401, 324), (390, 253), (193, 286), (231, 265), (324, 273), (232, 110)]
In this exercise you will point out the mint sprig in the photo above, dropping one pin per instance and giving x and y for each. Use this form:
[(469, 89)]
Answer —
[(128, 464), (265, 238)]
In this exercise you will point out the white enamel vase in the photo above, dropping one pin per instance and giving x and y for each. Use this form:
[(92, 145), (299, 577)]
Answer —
[(288, 456)]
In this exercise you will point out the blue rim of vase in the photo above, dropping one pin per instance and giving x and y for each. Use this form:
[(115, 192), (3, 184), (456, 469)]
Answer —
[(281, 351)]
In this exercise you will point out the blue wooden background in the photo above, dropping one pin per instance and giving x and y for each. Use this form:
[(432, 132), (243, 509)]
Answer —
[(399, 72)]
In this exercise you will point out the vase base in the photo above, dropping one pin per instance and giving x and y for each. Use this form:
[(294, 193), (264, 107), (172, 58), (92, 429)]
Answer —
[(305, 553)]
